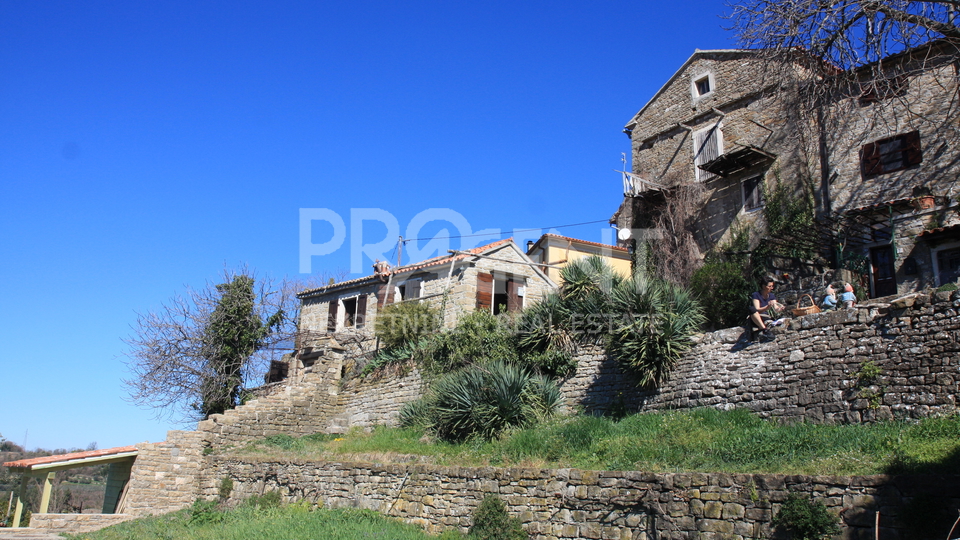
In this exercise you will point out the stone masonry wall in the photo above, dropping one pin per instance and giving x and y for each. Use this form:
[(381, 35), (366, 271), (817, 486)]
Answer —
[(571, 503), (76, 523), (166, 475), (810, 371)]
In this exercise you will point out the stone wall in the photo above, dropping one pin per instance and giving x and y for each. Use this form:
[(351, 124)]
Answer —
[(166, 475), (571, 503), (810, 372), (76, 523)]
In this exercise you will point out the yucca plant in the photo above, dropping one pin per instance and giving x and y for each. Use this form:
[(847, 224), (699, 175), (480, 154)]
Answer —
[(482, 400), (644, 322), (657, 319)]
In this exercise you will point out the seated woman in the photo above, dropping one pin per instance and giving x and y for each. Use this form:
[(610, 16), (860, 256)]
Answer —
[(760, 304)]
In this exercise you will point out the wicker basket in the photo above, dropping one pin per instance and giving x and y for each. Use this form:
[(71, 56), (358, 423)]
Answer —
[(801, 311)]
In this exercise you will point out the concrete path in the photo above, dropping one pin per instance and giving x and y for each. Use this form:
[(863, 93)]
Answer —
[(26, 533)]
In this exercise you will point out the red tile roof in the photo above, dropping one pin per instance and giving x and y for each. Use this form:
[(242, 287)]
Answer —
[(894, 202), (587, 242), (409, 268), (949, 228), (28, 463)]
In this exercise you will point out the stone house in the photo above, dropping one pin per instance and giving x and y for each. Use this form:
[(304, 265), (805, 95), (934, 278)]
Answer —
[(555, 251), (495, 277), (878, 159)]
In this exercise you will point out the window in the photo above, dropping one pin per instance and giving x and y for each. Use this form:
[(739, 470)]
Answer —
[(499, 293), (752, 193), (409, 289), (354, 313), (890, 154), (702, 86), (948, 265), (707, 146)]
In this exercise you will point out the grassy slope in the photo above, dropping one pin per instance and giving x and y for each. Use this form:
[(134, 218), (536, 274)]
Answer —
[(702, 440), (285, 523)]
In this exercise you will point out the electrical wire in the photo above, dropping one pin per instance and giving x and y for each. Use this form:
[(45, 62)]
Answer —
[(503, 233)]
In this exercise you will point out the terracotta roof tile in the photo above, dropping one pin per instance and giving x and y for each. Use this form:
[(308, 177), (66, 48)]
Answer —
[(949, 228), (589, 243), (409, 268), (894, 202), (28, 463)]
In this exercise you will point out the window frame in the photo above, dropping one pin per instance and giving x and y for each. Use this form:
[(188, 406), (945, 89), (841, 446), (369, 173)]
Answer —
[(695, 88), (935, 259), (873, 156), (758, 189)]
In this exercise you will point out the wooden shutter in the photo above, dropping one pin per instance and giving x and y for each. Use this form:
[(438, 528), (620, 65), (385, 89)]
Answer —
[(484, 291), (384, 295), (870, 159), (912, 153), (513, 299), (707, 146), (413, 289), (332, 316), (361, 317)]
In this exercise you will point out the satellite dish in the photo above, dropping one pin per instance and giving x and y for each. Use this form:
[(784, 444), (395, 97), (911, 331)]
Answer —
[(624, 234)]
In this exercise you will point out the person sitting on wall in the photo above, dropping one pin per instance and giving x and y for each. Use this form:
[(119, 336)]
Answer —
[(830, 300), (848, 298), (761, 302)]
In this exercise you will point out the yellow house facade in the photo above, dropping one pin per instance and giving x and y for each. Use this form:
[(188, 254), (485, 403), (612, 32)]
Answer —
[(555, 252)]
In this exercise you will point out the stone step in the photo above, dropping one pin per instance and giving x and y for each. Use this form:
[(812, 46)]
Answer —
[(27, 533)]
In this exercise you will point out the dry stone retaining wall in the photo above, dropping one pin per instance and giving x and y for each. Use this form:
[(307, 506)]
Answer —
[(571, 503), (810, 372), (75, 523)]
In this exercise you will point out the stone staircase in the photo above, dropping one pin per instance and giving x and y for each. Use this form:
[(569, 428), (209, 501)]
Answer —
[(308, 403), (26, 533)]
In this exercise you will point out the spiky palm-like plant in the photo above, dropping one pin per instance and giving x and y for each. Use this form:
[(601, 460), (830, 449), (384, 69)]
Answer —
[(656, 321), (482, 401)]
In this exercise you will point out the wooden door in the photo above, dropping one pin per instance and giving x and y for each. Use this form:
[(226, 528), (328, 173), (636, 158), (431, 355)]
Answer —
[(884, 273)]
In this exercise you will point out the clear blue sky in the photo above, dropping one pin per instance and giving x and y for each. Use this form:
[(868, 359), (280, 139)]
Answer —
[(145, 145)]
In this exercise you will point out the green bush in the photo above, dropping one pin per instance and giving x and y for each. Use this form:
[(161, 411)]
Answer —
[(226, 488), (270, 499), (724, 292), (205, 512), (492, 522), (483, 400), (806, 519), (283, 442), (405, 323), (947, 287), (478, 337)]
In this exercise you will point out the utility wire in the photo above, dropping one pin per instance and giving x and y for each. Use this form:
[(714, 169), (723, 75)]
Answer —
[(405, 240)]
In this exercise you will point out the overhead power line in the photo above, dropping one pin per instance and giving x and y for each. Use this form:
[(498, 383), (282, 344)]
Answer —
[(505, 233)]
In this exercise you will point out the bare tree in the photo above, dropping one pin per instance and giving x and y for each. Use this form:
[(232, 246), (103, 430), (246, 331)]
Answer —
[(191, 357), (846, 33)]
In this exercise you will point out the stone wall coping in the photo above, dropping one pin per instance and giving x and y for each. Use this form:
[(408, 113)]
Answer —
[(679, 479), (861, 313)]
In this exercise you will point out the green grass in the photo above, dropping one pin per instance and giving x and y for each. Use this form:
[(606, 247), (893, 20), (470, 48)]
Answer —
[(705, 440), (291, 522)]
